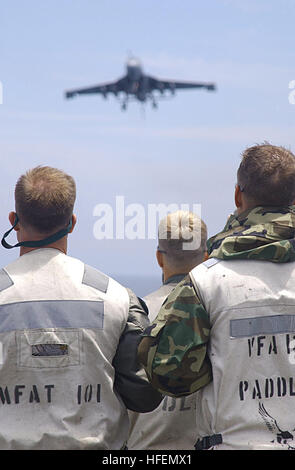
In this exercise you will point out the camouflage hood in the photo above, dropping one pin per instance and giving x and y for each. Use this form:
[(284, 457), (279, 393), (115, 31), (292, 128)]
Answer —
[(262, 233)]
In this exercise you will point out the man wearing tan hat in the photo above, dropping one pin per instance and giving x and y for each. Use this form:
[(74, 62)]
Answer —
[(181, 246)]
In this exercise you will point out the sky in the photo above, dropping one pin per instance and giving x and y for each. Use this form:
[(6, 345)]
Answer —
[(185, 153)]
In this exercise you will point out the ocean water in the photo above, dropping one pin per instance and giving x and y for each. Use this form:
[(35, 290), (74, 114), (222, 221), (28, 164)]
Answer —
[(141, 285)]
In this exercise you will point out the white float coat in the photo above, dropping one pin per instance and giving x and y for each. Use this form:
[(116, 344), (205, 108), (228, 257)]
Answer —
[(172, 424), (251, 306), (60, 326)]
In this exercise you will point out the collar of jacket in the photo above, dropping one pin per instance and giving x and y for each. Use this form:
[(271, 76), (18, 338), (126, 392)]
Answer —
[(262, 233), (176, 278)]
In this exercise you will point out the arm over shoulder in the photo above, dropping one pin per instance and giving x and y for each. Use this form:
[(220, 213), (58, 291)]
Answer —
[(174, 348), (131, 381)]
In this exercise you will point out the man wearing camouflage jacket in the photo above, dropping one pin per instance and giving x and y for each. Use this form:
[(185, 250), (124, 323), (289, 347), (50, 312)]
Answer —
[(228, 329)]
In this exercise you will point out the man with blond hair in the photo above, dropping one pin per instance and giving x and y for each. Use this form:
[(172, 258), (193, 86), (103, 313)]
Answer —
[(182, 238), (228, 328), (68, 333)]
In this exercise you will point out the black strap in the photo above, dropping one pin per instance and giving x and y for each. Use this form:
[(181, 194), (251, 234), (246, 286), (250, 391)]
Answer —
[(208, 441), (36, 243)]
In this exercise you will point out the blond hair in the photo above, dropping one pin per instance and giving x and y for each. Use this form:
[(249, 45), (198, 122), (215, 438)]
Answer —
[(182, 237), (44, 198)]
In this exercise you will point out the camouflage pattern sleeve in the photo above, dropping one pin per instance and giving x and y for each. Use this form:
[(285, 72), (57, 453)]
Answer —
[(174, 348)]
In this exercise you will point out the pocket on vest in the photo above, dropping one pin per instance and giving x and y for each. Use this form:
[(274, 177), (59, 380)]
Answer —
[(48, 348)]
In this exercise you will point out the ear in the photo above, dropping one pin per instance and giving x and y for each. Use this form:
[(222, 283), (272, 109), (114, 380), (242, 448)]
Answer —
[(74, 221), (159, 257), (238, 196), (11, 217)]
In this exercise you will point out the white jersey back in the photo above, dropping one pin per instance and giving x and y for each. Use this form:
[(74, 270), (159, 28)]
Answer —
[(60, 324), (172, 424), (251, 307)]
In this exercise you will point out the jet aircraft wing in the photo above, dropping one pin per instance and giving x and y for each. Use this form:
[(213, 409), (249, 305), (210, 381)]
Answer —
[(162, 85), (104, 88)]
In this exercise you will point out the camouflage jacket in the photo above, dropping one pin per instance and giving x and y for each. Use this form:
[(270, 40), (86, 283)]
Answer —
[(174, 348)]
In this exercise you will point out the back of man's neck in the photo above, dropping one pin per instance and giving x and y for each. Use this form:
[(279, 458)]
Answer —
[(57, 246)]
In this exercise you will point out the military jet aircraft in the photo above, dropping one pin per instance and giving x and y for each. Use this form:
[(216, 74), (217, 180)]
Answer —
[(137, 85)]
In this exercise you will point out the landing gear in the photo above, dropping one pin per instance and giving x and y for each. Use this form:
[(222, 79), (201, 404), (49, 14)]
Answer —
[(124, 104), (153, 101)]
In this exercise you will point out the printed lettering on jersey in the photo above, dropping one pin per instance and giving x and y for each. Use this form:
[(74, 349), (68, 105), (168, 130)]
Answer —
[(180, 404), (23, 394), (264, 337), (260, 340)]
